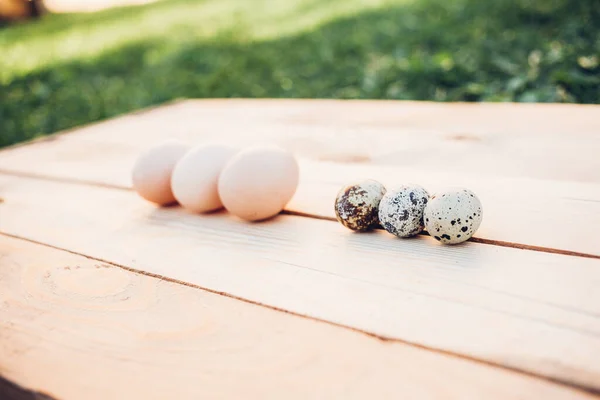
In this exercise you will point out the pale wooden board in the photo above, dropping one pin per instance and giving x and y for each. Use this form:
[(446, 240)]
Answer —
[(553, 215), (76, 328), (547, 141), (519, 207), (526, 310)]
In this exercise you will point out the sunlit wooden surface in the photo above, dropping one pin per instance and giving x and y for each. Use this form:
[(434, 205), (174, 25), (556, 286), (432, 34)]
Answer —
[(96, 280)]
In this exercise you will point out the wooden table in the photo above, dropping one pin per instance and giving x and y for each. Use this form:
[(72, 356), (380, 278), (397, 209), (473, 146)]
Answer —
[(103, 295)]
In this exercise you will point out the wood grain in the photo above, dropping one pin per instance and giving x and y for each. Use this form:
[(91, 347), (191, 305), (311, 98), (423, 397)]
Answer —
[(545, 141), (539, 181), (550, 215), (77, 328), (526, 310)]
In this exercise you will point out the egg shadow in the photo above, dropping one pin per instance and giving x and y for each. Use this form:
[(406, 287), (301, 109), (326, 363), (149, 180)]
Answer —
[(174, 204), (175, 212)]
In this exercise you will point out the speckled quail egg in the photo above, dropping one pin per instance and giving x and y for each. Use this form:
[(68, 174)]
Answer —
[(357, 205), (453, 216), (401, 210)]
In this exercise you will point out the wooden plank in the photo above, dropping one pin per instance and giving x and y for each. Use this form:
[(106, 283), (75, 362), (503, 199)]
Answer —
[(526, 213), (526, 310), (519, 207), (546, 141), (545, 215), (76, 328)]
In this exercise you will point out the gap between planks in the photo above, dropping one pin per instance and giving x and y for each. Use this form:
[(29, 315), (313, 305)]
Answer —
[(573, 385), (539, 185), (491, 294), (325, 358), (498, 243), (492, 242)]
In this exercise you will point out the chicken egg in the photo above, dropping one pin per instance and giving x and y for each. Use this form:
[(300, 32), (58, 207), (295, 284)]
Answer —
[(258, 182), (151, 174), (195, 178)]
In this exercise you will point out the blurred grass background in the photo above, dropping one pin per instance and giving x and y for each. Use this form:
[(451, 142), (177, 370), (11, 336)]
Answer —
[(67, 70)]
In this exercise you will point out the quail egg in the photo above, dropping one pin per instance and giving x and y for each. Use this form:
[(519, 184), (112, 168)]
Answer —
[(357, 205), (401, 210), (453, 216)]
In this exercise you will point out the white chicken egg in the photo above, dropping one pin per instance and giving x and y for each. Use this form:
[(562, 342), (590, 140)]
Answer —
[(196, 176), (453, 216), (401, 210), (258, 182), (151, 174)]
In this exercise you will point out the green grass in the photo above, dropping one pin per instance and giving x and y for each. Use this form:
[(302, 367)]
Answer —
[(68, 70)]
